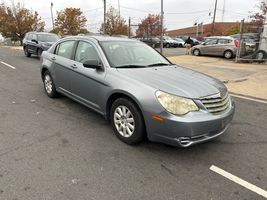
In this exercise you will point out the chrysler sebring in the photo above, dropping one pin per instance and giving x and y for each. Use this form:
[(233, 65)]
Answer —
[(138, 90)]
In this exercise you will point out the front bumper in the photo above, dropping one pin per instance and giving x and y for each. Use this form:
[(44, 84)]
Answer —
[(190, 129)]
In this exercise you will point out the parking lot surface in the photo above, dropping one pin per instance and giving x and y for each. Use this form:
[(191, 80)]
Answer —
[(58, 149)]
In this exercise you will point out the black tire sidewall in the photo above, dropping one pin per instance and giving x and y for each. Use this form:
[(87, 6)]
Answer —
[(27, 54), (139, 132), (195, 51), (226, 52), (54, 93)]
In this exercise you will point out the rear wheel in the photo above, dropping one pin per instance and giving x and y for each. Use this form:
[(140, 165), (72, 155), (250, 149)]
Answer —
[(127, 121), (196, 52), (168, 45), (228, 54), (26, 52)]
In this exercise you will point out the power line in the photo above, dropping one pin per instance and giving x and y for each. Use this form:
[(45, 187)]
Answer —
[(185, 13)]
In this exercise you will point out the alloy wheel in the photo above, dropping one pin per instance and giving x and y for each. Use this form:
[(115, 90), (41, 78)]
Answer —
[(48, 84), (124, 121)]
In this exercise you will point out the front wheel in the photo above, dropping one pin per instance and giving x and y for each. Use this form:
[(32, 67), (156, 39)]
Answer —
[(127, 121), (196, 52), (49, 85), (26, 52)]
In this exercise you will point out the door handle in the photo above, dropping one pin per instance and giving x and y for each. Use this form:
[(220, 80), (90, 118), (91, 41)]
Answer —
[(53, 58), (74, 66)]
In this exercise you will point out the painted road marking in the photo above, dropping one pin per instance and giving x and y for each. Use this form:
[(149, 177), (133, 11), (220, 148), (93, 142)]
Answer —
[(239, 181), (8, 65), (248, 98)]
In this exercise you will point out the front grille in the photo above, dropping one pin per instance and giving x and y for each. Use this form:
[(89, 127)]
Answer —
[(216, 104)]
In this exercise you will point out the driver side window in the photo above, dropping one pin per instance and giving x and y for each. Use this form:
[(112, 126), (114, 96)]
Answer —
[(85, 51), (211, 42)]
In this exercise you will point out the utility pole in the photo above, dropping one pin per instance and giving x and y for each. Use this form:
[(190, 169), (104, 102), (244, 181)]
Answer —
[(161, 28), (104, 28), (223, 11), (52, 15), (214, 16), (129, 30), (119, 7)]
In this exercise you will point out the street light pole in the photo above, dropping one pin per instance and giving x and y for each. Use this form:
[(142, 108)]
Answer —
[(161, 27), (52, 16), (104, 27), (214, 16)]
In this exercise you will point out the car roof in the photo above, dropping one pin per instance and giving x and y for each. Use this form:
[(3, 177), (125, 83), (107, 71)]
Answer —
[(102, 38), (219, 37), (42, 33)]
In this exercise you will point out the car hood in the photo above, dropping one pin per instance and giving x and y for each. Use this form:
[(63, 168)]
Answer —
[(176, 80)]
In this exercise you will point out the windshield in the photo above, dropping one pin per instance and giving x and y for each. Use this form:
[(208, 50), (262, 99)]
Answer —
[(132, 54), (47, 38)]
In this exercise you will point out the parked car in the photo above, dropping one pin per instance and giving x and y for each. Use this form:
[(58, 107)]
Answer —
[(37, 42), (151, 41), (184, 38), (180, 42), (169, 42), (141, 92), (217, 46)]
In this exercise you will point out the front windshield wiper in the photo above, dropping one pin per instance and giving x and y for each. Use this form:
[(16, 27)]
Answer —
[(131, 66), (158, 64)]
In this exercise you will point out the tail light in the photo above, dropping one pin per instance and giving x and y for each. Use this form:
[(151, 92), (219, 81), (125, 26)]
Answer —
[(236, 43)]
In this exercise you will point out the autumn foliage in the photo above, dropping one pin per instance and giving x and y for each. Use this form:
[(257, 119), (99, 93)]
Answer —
[(258, 18), (16, 22), (70, 21), (115, 24), (149, 26)]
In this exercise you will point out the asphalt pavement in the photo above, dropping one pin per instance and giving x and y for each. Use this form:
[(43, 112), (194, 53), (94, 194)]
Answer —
[(58, 149)]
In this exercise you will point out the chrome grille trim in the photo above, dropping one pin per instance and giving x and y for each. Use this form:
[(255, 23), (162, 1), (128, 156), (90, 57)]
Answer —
[(216, 104)]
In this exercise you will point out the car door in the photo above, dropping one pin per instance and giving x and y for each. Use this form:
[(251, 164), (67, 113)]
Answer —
[(222, 45), (209, 46), (62, 65), (87, 84), (32, 46)]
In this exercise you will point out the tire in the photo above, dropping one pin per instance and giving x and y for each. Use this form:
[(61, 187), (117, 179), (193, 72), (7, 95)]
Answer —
[(180, 45), (228, 54), (168, 45), (127, 121), (49, 85), (39, 52), (260, 55), (27, 54), (196, 52)]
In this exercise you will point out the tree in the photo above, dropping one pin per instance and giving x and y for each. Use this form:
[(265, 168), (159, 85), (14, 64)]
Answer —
[(149, 26), (115, 24), (258, 18), (71, 21), (16, 22)]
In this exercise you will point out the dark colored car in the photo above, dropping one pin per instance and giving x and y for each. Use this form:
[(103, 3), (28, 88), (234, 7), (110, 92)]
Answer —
[(138, 90), (184, 38), (37, 42), (151, 41)]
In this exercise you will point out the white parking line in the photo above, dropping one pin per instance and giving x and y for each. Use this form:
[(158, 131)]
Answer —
[(8, 65), (239, 181), (248, 98)]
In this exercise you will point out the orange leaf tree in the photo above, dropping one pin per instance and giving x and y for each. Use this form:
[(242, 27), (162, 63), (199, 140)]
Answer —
[(71, 21), (16, 22), (115, 24), (149, 26)]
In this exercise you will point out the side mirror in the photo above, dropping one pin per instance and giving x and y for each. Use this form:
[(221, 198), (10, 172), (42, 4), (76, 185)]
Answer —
[(33, 40), (93, 64)]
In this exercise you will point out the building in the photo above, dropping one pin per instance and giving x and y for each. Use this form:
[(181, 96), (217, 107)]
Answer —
[(220, 28)]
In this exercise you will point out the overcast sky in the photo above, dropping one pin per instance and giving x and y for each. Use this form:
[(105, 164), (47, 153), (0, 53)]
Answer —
[(178, 13)]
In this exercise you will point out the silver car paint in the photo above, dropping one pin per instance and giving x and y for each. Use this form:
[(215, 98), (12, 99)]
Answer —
[(93, 88)]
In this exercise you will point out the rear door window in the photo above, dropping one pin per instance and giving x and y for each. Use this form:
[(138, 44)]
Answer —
[(224, 41), (65, 49), (211, 42), (34, 37), (29, 37)]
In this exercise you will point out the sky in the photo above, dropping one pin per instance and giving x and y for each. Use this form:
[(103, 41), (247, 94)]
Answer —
[(177, 13)]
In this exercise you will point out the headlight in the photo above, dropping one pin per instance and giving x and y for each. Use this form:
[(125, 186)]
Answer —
[(174, 104)]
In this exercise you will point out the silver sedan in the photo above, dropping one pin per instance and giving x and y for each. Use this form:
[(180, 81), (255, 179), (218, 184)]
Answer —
[(138, 90)]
